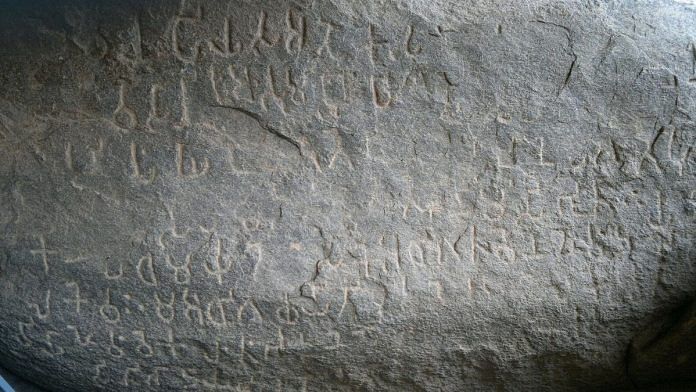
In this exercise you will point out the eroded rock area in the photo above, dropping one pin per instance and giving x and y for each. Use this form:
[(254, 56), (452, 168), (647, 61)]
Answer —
[(343, 195)]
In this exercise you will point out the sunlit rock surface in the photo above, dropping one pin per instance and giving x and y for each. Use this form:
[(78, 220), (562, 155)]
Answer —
[(342, 195)]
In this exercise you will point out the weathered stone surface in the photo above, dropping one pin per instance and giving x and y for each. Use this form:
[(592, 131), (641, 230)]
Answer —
[(342, 195)]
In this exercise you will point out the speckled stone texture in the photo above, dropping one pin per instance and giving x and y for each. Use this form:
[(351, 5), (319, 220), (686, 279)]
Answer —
[(337, 195)]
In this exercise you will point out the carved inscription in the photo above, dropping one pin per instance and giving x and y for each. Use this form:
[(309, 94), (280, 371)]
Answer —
[(243, 188)]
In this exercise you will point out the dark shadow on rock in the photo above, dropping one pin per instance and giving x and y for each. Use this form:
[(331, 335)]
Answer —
[(19, 384), (663, 355)]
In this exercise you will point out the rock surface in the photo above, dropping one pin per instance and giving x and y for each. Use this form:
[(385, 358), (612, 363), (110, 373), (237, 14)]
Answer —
[(342, 195), (16, 383), (665, 352)]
